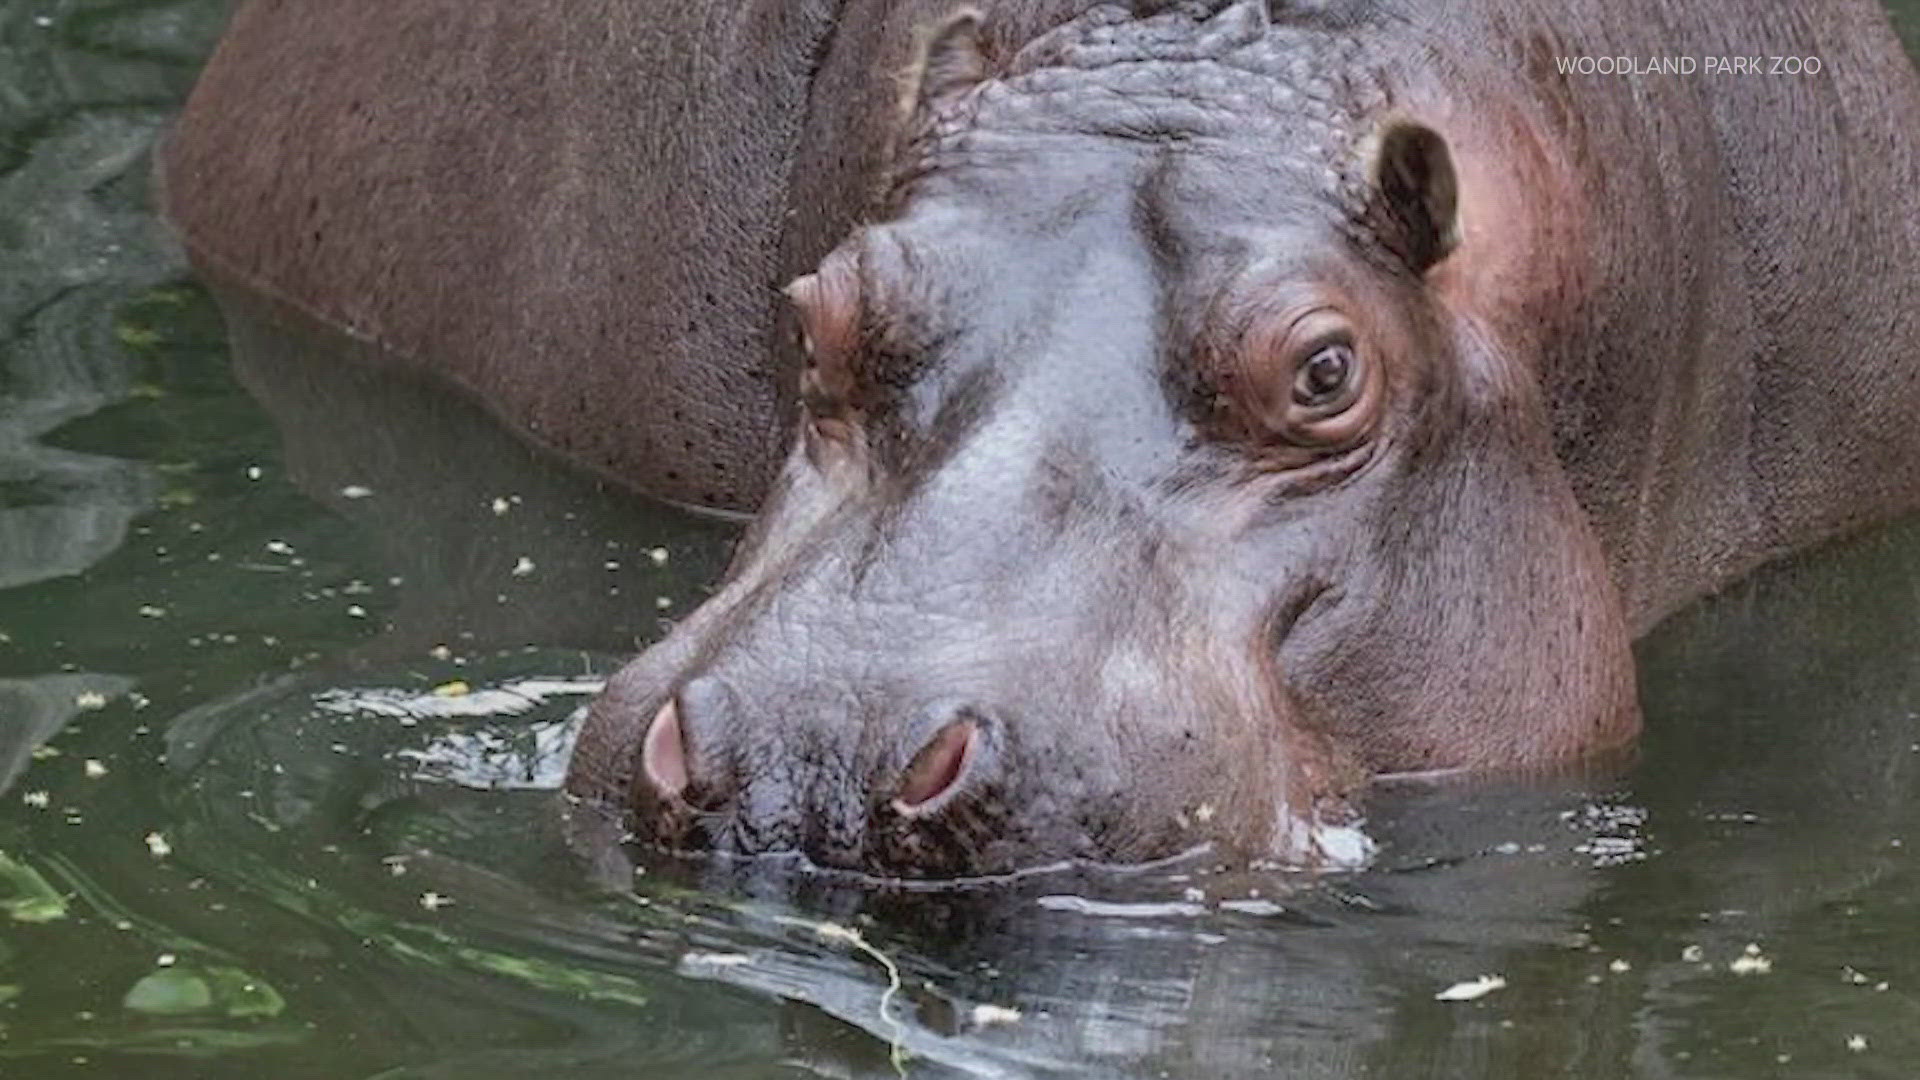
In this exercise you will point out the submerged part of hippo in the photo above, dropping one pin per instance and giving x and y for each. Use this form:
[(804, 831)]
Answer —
[(1216, 407)]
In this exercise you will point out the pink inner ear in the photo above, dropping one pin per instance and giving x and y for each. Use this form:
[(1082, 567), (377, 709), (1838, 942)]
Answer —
[(664, 754), (937, 767)]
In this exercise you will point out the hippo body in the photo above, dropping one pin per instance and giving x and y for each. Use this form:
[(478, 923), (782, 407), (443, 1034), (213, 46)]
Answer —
[(1201, 407)]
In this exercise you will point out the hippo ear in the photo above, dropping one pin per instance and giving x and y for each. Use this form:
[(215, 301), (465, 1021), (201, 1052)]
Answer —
[(951, 61), (1415, 195)]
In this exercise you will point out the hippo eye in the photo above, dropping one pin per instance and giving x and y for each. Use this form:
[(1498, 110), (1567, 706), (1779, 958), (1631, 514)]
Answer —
[(1326, 377), (1309, 380)]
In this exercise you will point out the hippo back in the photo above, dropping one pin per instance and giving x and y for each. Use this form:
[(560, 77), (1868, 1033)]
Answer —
[(580, 213), (570, 210)]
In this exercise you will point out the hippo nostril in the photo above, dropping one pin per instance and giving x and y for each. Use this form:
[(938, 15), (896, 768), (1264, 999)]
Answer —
[(664, 754), (938, 767)]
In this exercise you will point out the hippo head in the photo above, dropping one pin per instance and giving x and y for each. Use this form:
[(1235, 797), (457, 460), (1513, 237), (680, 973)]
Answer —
[(1151, 488)]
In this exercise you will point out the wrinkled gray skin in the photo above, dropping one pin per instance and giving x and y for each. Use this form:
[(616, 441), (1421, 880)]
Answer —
[(1058, 566)]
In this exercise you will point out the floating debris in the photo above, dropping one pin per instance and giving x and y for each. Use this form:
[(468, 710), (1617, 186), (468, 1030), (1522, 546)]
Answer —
[(1472, 989), (715, 959), (847, 935), (1613, 832), (1080, 905), (1750, 962), (989, 1015)]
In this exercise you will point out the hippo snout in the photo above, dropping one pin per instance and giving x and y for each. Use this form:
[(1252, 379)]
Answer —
[(718, 778)]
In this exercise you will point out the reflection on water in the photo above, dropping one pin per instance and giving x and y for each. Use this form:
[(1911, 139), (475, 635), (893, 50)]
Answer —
[(77, 240), (37, 708), (284, 705)]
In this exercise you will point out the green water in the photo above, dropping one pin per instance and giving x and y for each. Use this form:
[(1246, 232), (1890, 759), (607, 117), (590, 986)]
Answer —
[(287, 674)]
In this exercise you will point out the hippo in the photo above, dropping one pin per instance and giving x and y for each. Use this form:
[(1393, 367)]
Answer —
[(1162, 418)]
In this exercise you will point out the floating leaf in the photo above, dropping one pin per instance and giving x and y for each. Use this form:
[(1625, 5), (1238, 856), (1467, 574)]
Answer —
[(242, 996), (26, 896), (211, 991), (171, 992)]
